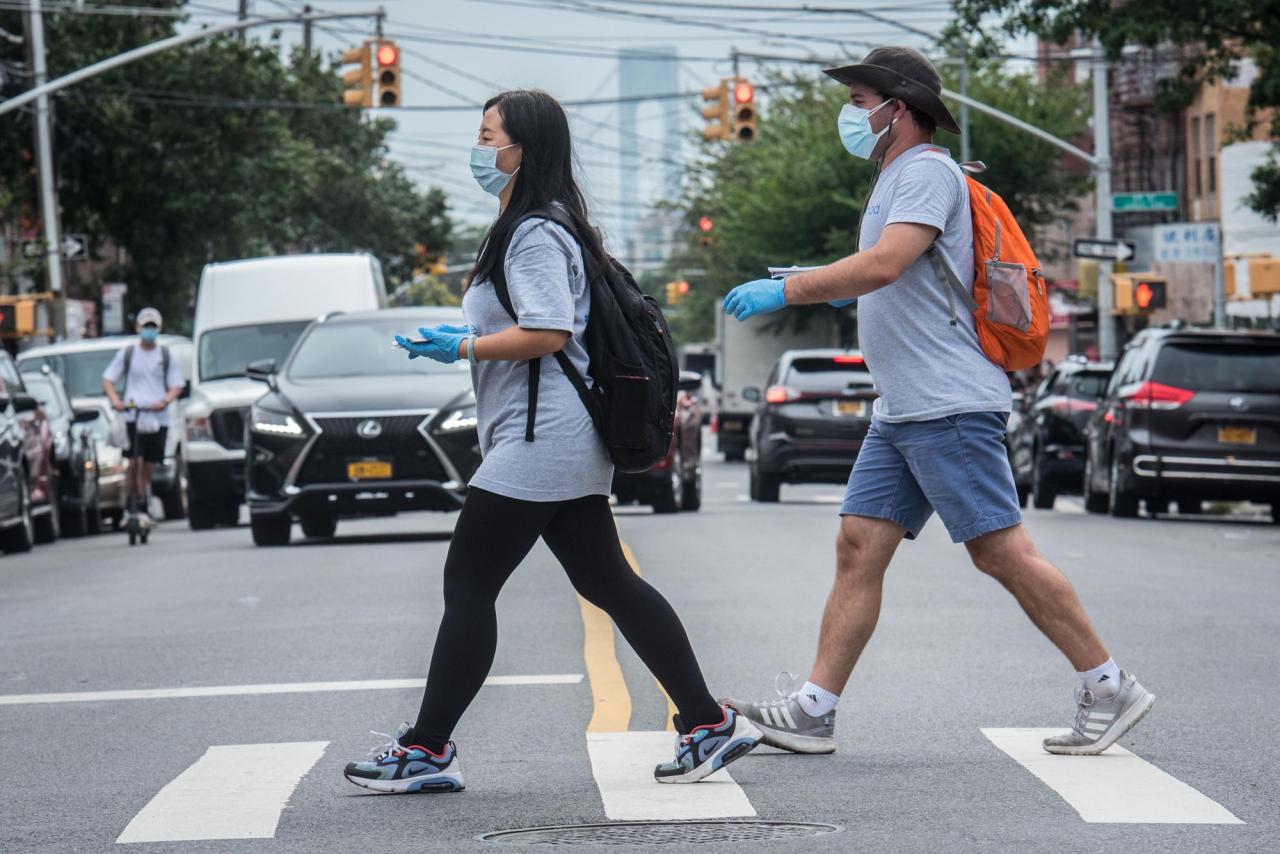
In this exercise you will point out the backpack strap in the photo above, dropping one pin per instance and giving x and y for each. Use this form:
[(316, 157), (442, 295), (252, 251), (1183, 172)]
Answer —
[(951, 283), (499, 279), (128, 360)]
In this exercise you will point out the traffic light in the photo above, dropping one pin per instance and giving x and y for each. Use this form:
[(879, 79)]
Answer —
[(677, 291), (8, 319), (1150, 294), (744, 110), (358, 80), (716, 111), (388, 56), (705, 225)]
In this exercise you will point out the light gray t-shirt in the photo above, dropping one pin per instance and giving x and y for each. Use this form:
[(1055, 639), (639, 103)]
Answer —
[(567, 458), (922, 366), (147, 383)]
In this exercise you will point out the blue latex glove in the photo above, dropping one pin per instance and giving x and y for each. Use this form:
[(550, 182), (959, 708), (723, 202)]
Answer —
[(456, 330), (841, 303), (436, 344), (762, 296)]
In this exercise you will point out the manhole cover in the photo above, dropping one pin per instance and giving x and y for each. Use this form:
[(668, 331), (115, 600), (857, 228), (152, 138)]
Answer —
[(658, 832)]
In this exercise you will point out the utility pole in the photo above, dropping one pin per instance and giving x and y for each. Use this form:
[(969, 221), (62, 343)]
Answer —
[(734, 55), (242, 14), (49, 213), (306, 30), (1102, 192)]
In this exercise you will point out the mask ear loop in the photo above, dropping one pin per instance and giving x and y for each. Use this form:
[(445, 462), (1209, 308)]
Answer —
[(875, 178)]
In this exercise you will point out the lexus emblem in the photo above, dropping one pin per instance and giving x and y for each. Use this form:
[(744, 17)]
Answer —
[(1238, 403), (370, 428)]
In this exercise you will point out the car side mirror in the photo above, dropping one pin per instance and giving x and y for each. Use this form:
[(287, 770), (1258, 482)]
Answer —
[(263, 371), (751, 394), (24, 403), (84, 416), (186, 391)]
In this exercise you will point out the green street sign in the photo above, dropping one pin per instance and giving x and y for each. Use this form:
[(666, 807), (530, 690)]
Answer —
[(1134, 202)]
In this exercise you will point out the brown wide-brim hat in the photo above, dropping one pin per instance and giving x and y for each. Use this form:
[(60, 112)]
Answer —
[(901, 72)]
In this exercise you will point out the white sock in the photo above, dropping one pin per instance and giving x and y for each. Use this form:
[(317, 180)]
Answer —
[(816, 701), (1103, 680)]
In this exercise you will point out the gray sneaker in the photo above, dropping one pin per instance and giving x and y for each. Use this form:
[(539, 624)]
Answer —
[(785, 724), (1100, 723)]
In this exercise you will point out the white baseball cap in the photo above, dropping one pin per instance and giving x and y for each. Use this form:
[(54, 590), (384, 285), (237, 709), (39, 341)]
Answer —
[(149, 315)]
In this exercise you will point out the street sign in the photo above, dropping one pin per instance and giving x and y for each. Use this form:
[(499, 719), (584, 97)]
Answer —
[(74, 246), (113, 308), (1186, 242), (1103, 250), (1138, 202)]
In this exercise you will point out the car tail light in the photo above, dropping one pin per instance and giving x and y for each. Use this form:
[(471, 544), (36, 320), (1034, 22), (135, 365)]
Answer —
[(1068, 405), (849, 360), (715, 424), (1152, 395), (781, 394)]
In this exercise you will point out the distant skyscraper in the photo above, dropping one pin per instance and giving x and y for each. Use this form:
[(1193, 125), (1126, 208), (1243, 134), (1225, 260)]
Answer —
[(645, 72)]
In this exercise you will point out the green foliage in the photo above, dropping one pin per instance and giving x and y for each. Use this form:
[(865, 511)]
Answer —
[(160, 157), (1207, 39), (429, 290)]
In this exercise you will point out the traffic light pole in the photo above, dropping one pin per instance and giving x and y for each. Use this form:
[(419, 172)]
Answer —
[(1102, 197), (49, 213), (129, 56)]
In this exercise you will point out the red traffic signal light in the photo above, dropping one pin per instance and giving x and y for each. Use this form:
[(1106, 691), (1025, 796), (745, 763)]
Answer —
[(1149, 294), (743, 92), (705, 223), (387, 54), (682, 287)]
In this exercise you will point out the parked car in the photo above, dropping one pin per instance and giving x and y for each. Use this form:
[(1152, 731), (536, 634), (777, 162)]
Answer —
[(29, 477), (675, 481), (80, 364), (112, 493), (74, 451), (810, 425), (1189, 416), (250, 311), (1047, 445), (351, 427)]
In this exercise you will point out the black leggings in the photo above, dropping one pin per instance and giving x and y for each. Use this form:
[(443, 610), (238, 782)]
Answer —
[(493, 535)]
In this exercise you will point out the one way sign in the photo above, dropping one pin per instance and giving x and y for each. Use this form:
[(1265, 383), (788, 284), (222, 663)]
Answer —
[(1104, 250)]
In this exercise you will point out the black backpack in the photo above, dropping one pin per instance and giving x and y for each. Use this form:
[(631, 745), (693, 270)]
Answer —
[(633, 359)]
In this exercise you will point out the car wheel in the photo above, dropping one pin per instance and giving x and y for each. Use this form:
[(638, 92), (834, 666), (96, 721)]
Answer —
[(693, 490), (1094, 502), (93, 518), (319, 526), (1120, 502), (1157, 506), (1190, 507), (21, 537), (764, 488), (272, 530), (1042, 494), (735, 456), (49, 525), (75, 521), (1275, 513), (229, 514), (200, 515), (175, 500), (670, 493)]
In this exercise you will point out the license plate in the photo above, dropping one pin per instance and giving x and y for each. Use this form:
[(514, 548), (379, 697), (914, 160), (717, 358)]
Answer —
[(856, 408), (732, 425), (1238, 435), (369, 470)]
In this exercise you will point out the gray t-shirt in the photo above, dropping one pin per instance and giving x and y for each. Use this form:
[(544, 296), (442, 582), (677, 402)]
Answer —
[(147, 383), (567, 458), (922, 366)]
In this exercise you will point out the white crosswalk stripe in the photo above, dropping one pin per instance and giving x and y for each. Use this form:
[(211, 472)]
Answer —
[(1116, 787), (622, 763)]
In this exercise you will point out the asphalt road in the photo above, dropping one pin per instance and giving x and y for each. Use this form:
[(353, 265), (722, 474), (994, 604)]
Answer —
[(1190, 605)]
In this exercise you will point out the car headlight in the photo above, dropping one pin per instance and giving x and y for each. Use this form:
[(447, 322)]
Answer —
[(274, 423), (460, 419), (198, 429)]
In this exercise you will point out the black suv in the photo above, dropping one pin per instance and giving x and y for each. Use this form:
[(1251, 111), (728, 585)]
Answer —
[(352, 427), (1189, 416), (811, 423), (1047, 446)]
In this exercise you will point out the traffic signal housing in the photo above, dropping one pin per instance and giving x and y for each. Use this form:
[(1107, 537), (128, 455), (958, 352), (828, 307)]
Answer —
[(359, 80), (677, 291), (1139, 292), (716, 111), (744, 110), (387, 55)]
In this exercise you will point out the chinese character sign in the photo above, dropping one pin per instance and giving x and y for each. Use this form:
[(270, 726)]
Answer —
[(1188, 242)]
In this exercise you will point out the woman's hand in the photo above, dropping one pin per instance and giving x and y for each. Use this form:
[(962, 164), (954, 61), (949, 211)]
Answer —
[(435, 344)]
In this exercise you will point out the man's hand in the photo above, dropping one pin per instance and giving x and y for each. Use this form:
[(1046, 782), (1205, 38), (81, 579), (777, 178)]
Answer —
[(762, 296), (158, 406), (117, 405)]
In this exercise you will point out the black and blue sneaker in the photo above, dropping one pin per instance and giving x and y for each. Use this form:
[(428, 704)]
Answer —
[(706, 749), (398, 768)]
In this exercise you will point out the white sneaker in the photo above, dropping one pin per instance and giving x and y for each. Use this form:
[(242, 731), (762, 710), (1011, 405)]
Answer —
[(1101, 722)]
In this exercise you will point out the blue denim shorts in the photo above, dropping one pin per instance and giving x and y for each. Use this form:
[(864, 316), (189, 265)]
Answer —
[(956, 465)]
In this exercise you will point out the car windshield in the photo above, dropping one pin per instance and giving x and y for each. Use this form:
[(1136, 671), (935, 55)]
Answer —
[(814, 374), (1087, 385), (1220, 367), (42, 390), (355, 349), (225, 352), (81, 372)]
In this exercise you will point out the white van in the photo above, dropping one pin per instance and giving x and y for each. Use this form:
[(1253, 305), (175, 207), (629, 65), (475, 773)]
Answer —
[(245, 311)]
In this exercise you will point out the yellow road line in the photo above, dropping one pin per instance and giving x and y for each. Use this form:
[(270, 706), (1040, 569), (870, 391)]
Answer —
[(635, 565)]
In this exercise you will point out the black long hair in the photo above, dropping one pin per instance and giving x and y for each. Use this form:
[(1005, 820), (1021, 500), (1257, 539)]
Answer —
[(536, 120)]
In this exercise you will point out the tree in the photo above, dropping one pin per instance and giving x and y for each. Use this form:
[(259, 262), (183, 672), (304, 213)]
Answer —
[(187, 157), (1208, 39), (793, 196)]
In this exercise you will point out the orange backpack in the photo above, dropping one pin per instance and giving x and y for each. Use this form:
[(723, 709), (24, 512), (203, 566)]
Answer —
[(1010, 302)]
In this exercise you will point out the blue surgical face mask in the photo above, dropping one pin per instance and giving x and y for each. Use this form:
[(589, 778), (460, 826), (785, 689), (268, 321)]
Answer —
[(484, 166), (149, 334), (855, 129)]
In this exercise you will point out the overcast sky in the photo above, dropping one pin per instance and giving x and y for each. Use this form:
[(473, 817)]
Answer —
[(459, 52)]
